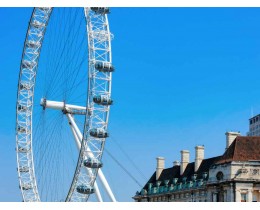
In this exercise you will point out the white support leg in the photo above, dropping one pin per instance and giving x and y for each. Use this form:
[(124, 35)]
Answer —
[(106, 185), (97, 192), (100, 173)]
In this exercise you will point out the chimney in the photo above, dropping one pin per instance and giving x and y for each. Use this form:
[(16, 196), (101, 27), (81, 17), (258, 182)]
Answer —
[(185, 159), (199, 156), (160, 167), (230, 137), (176, 163)]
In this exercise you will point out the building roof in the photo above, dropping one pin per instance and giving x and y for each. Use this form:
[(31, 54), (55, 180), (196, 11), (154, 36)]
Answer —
[(243, 148), (254, 117), (174, 172)]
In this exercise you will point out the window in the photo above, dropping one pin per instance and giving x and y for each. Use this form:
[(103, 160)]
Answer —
[(219, 176), (243, 197), (163, 198), (215, 197)]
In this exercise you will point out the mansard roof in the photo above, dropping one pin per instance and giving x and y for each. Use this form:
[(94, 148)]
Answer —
[(174, 172)]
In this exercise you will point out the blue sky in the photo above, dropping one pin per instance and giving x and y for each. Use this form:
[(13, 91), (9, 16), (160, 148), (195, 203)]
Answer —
[(184, 76)]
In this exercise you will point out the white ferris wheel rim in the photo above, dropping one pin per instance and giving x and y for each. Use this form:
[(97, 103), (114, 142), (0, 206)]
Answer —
[(99, 86)]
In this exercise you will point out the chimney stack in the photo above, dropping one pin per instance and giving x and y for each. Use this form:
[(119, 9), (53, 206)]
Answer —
[(230, 137), (185, 159), (199, 156), (160, 166), (176, 163)]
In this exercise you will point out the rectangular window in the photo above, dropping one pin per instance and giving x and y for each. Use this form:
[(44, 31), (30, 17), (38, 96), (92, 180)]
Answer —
[(243, 197), (254, 198), (215, 197)]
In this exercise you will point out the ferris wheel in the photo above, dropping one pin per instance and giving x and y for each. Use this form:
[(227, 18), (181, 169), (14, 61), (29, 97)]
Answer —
[(62, 116)]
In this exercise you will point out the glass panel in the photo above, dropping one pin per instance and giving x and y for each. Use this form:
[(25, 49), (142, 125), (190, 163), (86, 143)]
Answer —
[(243, 197)]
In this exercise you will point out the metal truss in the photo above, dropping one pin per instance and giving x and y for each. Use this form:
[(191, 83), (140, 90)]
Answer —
[(91, 143)]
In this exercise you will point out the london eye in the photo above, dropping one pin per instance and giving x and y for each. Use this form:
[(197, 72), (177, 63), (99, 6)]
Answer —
[(63, 104)]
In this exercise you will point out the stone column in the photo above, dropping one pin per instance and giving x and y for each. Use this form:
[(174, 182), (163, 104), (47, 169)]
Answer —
[(230, 193), (250, 195), (238, 196)]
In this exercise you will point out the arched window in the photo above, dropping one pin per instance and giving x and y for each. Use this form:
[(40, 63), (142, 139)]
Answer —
[(220, 175)]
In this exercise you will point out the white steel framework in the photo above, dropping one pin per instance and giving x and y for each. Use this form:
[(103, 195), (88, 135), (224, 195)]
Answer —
[(91, 142)]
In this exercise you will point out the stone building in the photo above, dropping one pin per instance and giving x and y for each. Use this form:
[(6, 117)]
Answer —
[(254, 126), (231, 177)]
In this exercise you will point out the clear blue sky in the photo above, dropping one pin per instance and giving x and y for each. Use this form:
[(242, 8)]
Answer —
[(184, 76)]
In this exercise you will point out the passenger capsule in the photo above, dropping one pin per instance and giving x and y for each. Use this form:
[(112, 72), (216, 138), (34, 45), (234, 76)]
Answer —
[(23, 149), (26, 186), (37, 24), (24, 169), (85, 189), (21, 129), (100, 10), (93, 163), (103, 100), (98, 133), (28, 64), (33, 44), (104, 67), (25, 86), (22, 108)]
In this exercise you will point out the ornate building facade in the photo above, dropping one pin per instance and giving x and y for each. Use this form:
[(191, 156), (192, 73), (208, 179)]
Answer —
[(231, 177)]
